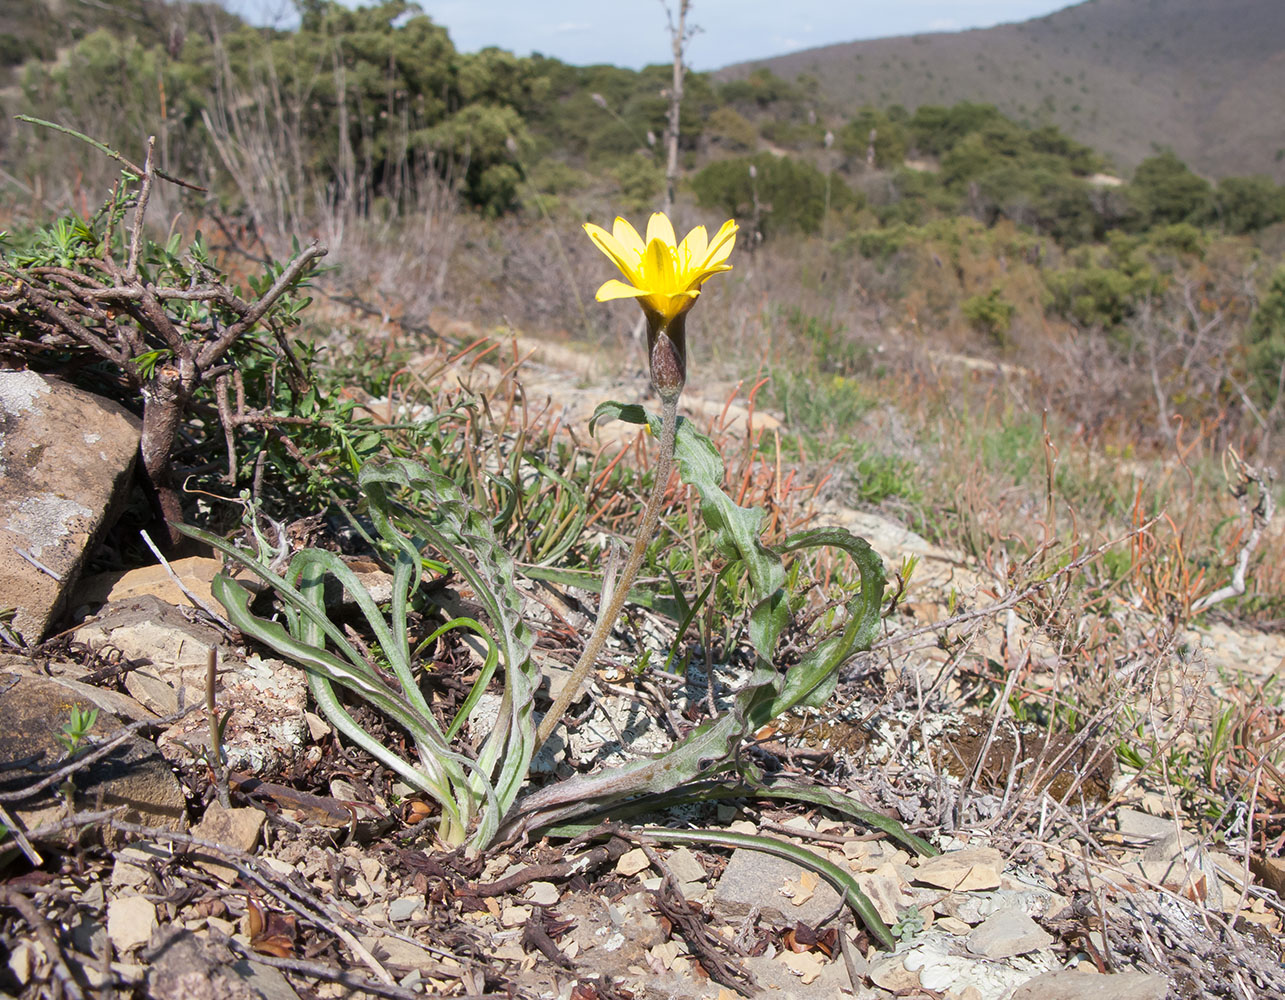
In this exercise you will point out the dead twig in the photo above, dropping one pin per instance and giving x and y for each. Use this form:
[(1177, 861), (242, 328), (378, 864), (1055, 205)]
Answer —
[(1014, 597), (281, 889), (707, 949), (584, 863), (187, 592), (13, 898), (330, 974), (1260, 516)]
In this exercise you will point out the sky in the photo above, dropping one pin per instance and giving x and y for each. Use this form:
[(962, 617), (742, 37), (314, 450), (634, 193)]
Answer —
[(633, 33)]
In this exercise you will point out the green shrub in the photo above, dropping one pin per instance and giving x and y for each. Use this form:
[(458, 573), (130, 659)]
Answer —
[(641, 180), (1265, 342), (731, 130), (1247, 204), (791, 193), (881, 244), (990, 314), (1164, 190)]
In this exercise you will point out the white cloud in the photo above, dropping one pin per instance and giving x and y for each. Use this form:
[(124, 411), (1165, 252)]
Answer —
[(943, 24)]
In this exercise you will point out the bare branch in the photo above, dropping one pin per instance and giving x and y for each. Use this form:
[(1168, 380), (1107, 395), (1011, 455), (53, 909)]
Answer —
[(1259, 517), (140, 212), (211, 352)]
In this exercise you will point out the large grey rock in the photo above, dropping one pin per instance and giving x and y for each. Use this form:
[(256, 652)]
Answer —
[(65, 458), (134, 775), (754, 879)]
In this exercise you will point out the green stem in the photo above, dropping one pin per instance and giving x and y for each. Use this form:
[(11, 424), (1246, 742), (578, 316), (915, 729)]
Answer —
[(620, 592)]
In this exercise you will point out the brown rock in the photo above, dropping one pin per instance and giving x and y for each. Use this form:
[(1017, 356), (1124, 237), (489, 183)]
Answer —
[(1270, 872), (65, 675), (66, 456), (195, 573), (234, 828), (973, 868), (134, 775)]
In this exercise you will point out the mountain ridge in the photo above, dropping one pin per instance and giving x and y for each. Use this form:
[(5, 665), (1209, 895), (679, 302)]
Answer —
[(1127, 77)]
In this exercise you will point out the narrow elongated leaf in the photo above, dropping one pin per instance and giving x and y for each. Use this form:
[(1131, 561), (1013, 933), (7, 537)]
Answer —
[(591, 580), (467, 539), (842, 882)]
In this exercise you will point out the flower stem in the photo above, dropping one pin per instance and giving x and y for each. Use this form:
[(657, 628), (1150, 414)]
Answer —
[(620, 592)]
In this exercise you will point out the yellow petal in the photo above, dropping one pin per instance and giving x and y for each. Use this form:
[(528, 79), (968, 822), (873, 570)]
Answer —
[(614, 289), (720, 248), (609, 245), (658, 267), (697, 278), (627, 236), (660, 228), (694, 246)]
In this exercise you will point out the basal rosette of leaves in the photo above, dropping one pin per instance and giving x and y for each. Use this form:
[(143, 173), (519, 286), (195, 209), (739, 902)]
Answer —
[(421, 517)]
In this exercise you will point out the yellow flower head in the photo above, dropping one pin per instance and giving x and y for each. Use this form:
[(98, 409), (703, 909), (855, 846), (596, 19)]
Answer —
[(665, 276)]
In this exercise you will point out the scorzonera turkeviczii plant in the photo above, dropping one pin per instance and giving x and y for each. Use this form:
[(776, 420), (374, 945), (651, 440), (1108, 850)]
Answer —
[(420, 514)]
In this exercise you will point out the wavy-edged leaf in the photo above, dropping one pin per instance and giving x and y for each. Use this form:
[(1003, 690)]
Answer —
[(710, 747), (811, 681)]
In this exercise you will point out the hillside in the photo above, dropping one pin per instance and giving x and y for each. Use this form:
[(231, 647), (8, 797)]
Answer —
[(1124, 76)]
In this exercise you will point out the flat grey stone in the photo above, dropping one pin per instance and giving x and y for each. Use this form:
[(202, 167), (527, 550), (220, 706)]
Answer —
[(753, 878), (1143, 826), (66, 458), (404, 908), (1178, 860), (131, 921), (182, 966), (1006, 934), (1066, 984), (147, 631), (685, 866)]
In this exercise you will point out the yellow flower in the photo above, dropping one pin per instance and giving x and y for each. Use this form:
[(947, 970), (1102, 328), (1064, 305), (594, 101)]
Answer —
[(665, 276)]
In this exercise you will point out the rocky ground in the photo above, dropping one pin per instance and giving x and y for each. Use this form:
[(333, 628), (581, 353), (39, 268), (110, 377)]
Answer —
[(1061, 877)]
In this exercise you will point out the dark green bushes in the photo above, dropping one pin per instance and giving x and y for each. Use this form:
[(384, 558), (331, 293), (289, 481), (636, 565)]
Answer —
[(792, 195)]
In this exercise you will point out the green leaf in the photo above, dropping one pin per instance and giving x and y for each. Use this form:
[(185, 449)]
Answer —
[(711, 748), (466, 538), (736, 529), (842, 882)]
